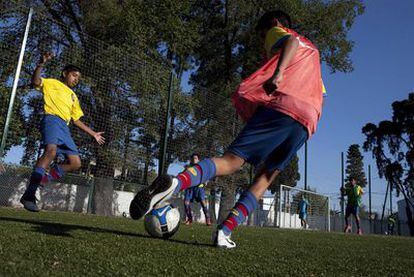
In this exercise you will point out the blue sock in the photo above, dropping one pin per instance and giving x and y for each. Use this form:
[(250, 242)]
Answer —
[(246, 205), (196, 175), (35, 180)]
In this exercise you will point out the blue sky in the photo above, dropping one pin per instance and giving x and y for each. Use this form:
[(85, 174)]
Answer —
[(383, 59)]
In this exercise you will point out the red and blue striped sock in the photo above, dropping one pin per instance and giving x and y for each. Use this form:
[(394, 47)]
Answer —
[(246, 204), (196, 175), (54, 174)]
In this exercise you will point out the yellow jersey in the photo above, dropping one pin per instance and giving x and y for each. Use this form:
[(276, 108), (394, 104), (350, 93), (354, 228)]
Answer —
[(60, 100)]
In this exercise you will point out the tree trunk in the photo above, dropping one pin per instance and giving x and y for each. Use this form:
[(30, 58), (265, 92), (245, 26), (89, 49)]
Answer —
[(103, 183), (226, 202)]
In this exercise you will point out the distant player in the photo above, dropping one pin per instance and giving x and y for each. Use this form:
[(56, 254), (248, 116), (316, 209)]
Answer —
[(354, 195), (303, 208), (198, 194), (392, 220), (61, 107)]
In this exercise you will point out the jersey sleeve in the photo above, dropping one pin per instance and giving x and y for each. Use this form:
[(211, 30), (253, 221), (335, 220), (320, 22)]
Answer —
[(43, 81), (76, 109), (274, 39)]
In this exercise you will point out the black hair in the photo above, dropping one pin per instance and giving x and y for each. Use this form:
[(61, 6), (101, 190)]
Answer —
[(195, 154), (265, 22), (71, 68)]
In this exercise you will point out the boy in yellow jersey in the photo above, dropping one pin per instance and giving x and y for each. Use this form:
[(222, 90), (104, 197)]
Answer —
[(61, 106), (354, 193)]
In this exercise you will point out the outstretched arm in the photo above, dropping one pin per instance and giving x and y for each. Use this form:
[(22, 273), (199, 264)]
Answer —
[(288, 52), (97, 135), (36, 80)]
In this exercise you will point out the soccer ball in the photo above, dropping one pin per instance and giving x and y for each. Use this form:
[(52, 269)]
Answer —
[(162, 222)]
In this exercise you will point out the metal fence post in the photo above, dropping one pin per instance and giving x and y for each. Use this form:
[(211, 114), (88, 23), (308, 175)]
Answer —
[(280, 206), (329, 215), (91, 184), (164, 142), (15, 83)]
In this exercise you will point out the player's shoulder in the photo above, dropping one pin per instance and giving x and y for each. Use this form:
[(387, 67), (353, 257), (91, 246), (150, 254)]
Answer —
[(51, 80), (277, 32)]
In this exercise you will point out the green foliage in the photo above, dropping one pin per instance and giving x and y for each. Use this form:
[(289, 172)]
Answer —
[(355, 166), (391, 144), (16, 130)]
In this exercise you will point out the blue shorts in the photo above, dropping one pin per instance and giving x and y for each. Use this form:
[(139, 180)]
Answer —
[(269, 137), (303, 216), (195, 193), (54, 130), (350, 209)]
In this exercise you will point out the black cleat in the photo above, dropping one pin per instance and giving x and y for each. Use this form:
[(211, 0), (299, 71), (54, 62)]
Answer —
[(159, 191)]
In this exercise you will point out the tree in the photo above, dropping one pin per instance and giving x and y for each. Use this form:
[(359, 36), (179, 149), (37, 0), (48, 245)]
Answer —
[(16, 130), (392, 145), (355, 166)]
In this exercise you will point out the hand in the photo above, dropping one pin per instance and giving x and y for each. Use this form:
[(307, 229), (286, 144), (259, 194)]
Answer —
[(99, 138), (46, 57), (273, 83)]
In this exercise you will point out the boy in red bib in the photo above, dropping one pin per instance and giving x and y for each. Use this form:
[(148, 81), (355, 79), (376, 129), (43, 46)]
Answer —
[(281, 102)]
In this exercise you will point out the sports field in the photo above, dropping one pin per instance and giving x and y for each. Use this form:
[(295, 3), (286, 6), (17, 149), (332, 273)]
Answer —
[(69, 244)]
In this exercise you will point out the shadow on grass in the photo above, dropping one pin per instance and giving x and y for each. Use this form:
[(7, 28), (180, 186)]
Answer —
[(63, 230)]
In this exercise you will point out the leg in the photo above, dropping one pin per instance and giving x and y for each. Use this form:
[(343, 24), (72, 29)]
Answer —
[(72, 163), (48, 156), (208, 169), (204, 206), (28, 199), (357, 220), (288, 136), (187, 206), (348, 212), (188, 213), (248, 201)]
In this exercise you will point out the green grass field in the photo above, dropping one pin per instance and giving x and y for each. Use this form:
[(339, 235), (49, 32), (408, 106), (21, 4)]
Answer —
[(56, 243)]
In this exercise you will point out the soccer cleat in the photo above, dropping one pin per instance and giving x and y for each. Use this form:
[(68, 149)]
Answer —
[(188, 222), (208, 222), (348, 229), (359, 232), (159, 191), (29, 203), (222, 240)]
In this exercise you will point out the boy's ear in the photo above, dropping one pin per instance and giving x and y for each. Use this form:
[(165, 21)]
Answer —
[(64, 74)]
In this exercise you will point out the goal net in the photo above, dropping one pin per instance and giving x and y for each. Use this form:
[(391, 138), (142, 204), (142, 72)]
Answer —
[(288, 212)]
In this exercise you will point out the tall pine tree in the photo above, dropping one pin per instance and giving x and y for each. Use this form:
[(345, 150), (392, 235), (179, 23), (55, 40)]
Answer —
[(355, 166)]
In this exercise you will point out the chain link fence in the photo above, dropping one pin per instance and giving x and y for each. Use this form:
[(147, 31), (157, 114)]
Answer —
[(124, 94)]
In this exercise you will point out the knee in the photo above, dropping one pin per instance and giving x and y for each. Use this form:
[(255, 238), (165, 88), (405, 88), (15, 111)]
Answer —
[(75, 164), (50, 152), (187, 203), (232, 162)]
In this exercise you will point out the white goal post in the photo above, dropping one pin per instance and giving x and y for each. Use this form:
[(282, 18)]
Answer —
[(287, 212)]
